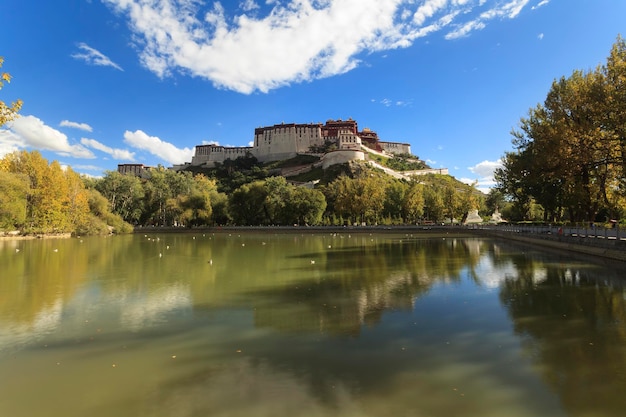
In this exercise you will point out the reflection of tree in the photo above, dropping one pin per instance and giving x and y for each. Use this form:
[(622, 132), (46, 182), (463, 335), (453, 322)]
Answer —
[(574, 329), (361, 282)]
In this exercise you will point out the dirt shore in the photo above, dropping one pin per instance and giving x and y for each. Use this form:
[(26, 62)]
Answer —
[(39, 236)]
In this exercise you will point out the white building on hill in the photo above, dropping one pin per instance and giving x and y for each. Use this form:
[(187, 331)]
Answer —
[(339, 141)]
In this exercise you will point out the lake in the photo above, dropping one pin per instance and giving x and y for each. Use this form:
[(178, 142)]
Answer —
[(310, 324)]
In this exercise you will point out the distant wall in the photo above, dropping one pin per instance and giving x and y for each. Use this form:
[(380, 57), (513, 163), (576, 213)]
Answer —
[(442, 171), (396, 147), (340, 157)]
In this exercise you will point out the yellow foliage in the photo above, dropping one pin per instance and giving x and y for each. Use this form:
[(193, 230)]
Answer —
[(7, 113)]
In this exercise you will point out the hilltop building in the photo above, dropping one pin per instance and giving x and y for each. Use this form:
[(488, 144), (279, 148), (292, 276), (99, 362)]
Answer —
[(139, 170), (336, 141)]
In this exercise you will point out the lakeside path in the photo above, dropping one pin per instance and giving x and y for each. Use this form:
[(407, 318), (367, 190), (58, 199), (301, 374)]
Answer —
[(608, 249)]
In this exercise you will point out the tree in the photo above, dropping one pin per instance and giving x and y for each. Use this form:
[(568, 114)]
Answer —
[(413, 203), (277, 200), (7, 113), (14, 189), (395, 195), (125, 194), (307, 206), (615, 73), (77, 210), (495, 200), (434, 207), (246, 204), (569, 150), (47, 196)]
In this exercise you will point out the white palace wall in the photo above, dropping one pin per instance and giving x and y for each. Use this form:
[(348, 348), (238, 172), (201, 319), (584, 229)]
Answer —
[(285, 141)]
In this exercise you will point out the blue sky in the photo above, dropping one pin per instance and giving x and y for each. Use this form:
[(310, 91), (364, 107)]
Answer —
[(144, 81)]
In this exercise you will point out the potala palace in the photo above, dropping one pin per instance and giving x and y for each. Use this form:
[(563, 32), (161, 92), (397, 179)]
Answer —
[(336, 141)]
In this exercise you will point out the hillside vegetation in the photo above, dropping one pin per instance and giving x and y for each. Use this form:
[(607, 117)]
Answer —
[(41, 197)]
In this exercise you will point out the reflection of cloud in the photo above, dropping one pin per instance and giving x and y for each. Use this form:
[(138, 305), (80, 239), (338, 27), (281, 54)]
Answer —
[(491, 275), (247, 388), (14, 334), (294, 41), (138, 313)]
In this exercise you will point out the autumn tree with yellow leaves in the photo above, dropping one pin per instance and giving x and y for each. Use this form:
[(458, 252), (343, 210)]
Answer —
[(7, 113), (570, 150)]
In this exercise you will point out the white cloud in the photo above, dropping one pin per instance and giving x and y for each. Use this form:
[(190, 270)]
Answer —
[(464, 30), (31, 132), (427, 10), (541, 3), (484, 171), (164, 150), (10, 142), (88, 167), (540, 36), (75, 125), (294, 41), (248, 5), (510, 10), (389, 102), (94, 57), (120, 154)]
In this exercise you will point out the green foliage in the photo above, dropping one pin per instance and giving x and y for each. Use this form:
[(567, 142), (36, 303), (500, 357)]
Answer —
[(276, 202), (14, 189), (404, 162)]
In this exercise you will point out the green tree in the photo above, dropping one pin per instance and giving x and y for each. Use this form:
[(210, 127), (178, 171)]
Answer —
[(246, 204), (434, 206), (125, 194), (14, 189), (413, 203), (308, 206), (395, 196)]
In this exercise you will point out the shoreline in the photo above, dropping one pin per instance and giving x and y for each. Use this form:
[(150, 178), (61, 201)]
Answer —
[(607, 250), (36, 236)]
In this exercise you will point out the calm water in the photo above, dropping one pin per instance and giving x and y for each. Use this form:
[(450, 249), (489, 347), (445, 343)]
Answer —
[(307, 325)]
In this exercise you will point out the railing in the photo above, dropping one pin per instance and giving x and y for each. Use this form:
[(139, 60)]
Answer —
[(590, 235)]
